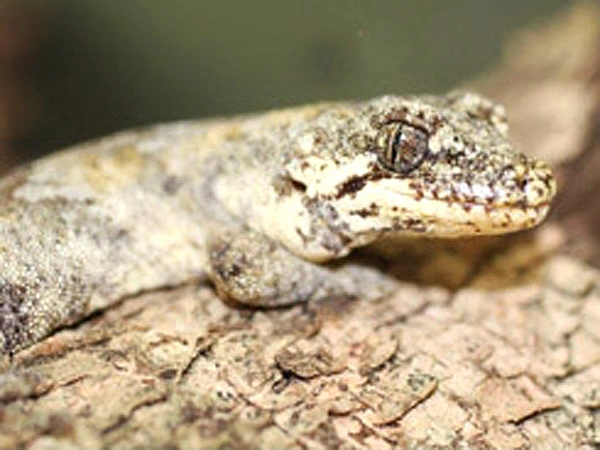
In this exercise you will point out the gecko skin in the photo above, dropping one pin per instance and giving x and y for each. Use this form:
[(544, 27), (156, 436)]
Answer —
[(257, 204)]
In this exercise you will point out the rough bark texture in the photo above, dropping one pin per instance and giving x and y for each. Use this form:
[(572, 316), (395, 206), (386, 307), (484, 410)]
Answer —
[(491, 343)]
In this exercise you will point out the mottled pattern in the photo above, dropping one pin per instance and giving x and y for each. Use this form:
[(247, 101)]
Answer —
[(255, 204), (436, 165)]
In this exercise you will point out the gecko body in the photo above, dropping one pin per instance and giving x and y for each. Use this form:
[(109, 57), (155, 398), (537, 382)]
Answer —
[(257, 204)]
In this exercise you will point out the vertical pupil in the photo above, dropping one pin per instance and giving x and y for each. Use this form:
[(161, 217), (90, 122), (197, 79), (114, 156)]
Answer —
[(399, 147), (395, 148), (406, 149)]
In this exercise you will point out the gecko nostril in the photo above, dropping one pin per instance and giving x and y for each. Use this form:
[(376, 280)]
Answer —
[(522, 178), (523, 182), (298, 185)]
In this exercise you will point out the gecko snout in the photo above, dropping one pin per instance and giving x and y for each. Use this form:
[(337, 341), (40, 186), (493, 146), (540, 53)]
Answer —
[(537, 183)]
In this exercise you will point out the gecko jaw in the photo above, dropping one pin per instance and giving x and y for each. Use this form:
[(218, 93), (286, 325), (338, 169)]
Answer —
[(447, 219), (489, 220), (395, 213)]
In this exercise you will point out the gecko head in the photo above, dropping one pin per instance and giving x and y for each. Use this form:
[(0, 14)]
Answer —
[(432, 166)]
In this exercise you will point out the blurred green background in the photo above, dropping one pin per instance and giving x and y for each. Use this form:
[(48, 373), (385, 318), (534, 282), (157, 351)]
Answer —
[(92, 67)]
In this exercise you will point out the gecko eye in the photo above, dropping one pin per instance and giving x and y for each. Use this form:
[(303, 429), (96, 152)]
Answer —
[(404, 148)]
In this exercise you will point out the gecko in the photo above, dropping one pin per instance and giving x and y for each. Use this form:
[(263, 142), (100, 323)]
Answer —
[(263, 206)]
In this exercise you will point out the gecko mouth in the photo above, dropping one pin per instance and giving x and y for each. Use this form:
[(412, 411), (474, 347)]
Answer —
[(503, 206), (497, 219), (440, 218)]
